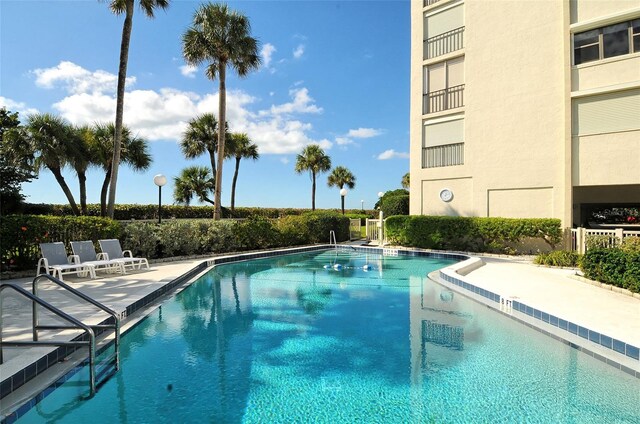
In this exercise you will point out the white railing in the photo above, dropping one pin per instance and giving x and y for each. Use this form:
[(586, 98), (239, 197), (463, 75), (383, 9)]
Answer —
[(374, 231), (610, 238)]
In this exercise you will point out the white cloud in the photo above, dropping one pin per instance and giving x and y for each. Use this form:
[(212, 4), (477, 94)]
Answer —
[(364, 133), (20, 107), (298, 51), (266, 52), (284, 160), (76, 79), (188, 71), (302, 103), (342, 141), (163, 114), (390, 154)]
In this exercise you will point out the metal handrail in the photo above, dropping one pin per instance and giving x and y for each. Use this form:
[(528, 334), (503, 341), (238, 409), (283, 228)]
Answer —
[(332, 238), (91, 343), (115, 325)]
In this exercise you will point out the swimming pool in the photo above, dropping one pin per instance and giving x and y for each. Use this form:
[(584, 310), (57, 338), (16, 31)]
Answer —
[(297, 339)]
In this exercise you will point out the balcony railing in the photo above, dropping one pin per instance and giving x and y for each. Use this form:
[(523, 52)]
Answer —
[(447, 155), (449, 98), (444, 43), (426, 3)]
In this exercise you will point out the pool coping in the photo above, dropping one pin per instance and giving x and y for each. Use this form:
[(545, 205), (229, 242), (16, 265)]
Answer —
[(614, 352)]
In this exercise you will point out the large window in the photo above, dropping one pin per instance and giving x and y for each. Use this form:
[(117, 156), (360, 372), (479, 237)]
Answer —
[(610, 41)]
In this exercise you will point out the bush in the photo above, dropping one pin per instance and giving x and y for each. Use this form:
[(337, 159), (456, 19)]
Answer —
[(395, 205), (613, 266), (22, 234), (472, 234), (561, 258)]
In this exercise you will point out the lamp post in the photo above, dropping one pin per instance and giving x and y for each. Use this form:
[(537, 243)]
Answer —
[(362, 204), (159, 180), (380, 222), (343, 192)]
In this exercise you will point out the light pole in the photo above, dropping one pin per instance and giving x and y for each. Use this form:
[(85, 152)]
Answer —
[(362, 204), (381, 222), (159, 180), (343, 193)]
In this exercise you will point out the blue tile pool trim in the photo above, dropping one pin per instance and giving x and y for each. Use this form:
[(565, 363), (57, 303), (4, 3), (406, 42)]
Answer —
[(607, 342)]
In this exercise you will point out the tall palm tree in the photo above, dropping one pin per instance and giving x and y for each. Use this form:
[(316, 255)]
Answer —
[(119, 7), (340, 177), (200, 137), (314, 160), (406, 181), (220, 37), (80, 163), (50, 141), (240, 146), (193, 181), (135, 153)]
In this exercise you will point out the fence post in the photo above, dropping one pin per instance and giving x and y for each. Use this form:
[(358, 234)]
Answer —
[(619, 233), (581, 240)]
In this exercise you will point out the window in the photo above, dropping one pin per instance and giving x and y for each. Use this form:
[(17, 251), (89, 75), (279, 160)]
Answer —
[(610, 41)]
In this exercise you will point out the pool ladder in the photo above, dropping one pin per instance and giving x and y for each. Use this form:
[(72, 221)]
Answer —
[(332, 239), (89, 335)]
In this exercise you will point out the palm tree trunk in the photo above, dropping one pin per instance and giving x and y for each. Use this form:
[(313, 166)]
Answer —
[(313, 191), (103, 193), (222, 104), (233, 184), (82, 180), (212, 158), (65, 188), (122, 76)]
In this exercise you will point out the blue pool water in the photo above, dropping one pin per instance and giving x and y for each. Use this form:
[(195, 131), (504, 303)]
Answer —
[(285, 340)]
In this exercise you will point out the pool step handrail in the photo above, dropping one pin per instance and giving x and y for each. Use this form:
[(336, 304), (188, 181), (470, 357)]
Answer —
[(75, 323), (332, 239)]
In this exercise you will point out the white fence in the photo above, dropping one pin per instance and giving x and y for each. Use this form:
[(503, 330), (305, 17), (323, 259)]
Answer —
[(375, 229), (355, 229), (610, 238)]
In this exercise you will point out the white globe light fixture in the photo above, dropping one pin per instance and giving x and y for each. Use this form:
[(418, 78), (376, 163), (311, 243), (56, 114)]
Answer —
[(343, 193), (159, 180)]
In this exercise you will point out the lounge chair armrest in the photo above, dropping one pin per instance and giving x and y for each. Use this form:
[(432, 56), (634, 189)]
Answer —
[(73, 259), (43, 263), (103, 256), (124, 253)]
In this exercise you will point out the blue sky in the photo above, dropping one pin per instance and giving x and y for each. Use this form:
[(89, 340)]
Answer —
[(333, 73)]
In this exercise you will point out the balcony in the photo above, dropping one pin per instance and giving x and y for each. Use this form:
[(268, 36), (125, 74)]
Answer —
[(426, 3), (449, 98), (447, 155), (444, 43)]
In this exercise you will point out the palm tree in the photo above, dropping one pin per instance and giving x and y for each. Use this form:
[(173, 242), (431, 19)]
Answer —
[(200, 137), (221, 37), (135, 153), (49, 142), (314, 160), (193, 181), (80, 163), (340, 177), (406, 181), (240, 146), (119, 7)]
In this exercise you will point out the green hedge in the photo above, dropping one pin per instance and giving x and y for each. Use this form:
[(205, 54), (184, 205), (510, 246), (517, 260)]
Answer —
[(124, 212), (619, 266), (561, 258), (471, 234), (22, 234)]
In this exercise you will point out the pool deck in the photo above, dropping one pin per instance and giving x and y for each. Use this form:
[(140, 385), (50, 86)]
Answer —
[(555, 291)]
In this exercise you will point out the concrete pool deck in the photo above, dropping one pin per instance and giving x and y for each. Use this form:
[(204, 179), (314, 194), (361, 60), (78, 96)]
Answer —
[(553, 290)]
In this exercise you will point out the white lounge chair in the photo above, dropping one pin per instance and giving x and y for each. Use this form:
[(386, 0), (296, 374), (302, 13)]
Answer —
[(56, 262), (114, 252), (85, 253)]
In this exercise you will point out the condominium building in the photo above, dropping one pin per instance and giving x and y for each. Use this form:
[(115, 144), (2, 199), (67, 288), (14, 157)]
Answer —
[(524, 109)]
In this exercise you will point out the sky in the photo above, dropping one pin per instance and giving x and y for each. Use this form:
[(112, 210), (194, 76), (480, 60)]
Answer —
[(333, 73)]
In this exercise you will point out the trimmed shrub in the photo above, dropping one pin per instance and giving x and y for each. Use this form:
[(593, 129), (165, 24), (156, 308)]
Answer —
[(22, 234), (469, 233), (395, 205), (561, 258), (256, 233), (142, 239), (615, 266)]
